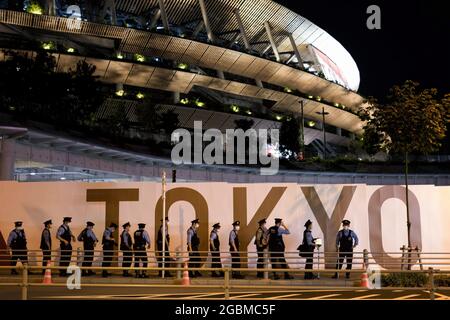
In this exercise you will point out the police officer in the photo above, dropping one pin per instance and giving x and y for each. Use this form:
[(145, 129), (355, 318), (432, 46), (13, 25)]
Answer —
[(346, 241), (65, 236), (108, 243), (46, 244), (126, 246), (276, 247), (308, 239), (234, 250), (141, 243), (159, 244), (193, 243), (214, 246), (17, 241), (87, 236), (261, 242)]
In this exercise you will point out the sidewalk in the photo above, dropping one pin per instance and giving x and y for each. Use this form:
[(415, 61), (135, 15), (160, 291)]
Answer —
[(250, 280)]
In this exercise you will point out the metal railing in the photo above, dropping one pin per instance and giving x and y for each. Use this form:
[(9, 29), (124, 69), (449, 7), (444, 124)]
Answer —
[(362, 260)]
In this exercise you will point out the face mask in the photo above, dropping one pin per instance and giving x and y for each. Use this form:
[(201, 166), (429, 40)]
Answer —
[(197, 226), (346, 227), (19, 228), (237, 228)]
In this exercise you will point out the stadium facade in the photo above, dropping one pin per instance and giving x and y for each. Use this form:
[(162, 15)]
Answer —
[(256, 59)]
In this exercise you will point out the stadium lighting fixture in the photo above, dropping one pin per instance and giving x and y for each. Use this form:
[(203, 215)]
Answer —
[(235, 108), (119, 56), (139, 57), (182, 66), (70, 50), (120, 92), (48, 45), (199, 103), (184, 101), (140, 95), (311, 124)]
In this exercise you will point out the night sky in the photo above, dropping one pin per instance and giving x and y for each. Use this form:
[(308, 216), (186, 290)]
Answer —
[(413, 43)]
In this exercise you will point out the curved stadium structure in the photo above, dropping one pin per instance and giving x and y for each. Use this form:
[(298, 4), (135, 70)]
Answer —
[(215, 61)]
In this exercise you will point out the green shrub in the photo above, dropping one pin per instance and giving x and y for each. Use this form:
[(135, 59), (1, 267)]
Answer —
[(404, 280), (442, 281)]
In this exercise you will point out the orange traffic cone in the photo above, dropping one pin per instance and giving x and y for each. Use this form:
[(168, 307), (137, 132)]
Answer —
[(186, 281), (364, 280), (48, 274)]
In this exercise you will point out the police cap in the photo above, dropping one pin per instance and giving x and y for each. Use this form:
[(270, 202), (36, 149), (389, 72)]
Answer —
[(141, 225), (262, 221), (236, 223), (346, 222), (46, 223), (90, 224), (308, 223), (126, 225), (194, 221), (216, 225), (67, 219), (18, 224)]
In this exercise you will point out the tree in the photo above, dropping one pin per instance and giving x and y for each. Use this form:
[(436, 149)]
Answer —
[(169, 122), (244, 124), (412, 121), (290, 143), (147, 114)]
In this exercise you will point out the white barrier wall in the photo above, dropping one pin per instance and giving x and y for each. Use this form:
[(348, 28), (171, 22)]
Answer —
[(377, 213)]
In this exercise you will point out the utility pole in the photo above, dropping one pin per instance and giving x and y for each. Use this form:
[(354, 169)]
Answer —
[(302, 128), (164, 223), (323, 114)]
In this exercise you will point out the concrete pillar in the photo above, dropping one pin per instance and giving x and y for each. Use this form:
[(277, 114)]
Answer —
[(206, 20), (198, 28), (7, 159), (272, 41), (155, 19), (176, 97), (296, 52), (108, 8), (242, 30), (220, 74), (164, 18), (259, 83), (50, 7)]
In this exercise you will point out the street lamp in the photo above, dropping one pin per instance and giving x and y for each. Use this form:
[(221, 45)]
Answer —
[(323, 114)]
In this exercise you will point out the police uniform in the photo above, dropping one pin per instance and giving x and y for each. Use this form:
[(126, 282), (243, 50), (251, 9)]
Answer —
[(345, 241), (159, 244), (141, 240), (194, 256), (309, 241), (17, 241), (65, 233), (126, 246), (214, 247), (89, 240), (46, 244), (108, 243), (261, 242), (276, 248), (234, 250)]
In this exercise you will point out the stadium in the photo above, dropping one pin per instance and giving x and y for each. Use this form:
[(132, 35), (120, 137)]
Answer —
[(258, 64)]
